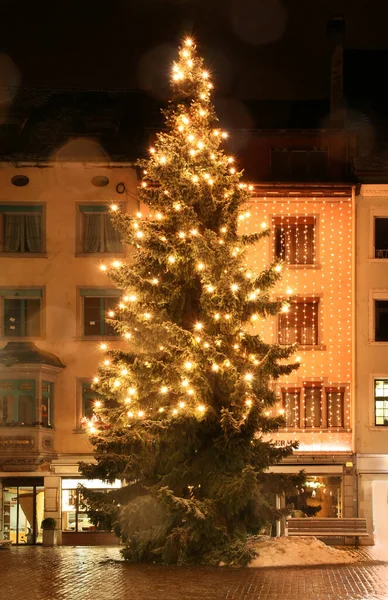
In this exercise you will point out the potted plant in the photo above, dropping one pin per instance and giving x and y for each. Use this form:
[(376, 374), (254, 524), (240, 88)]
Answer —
[(49, 531)]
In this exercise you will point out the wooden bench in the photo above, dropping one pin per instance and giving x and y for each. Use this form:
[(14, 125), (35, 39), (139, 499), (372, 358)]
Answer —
[(5, 544), (354, 527)]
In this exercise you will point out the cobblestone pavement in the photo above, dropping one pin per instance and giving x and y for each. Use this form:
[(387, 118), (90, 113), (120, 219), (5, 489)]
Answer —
[(97, 573)]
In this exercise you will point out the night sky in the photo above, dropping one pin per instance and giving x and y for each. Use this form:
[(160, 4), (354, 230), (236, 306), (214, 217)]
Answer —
[(259, 49)]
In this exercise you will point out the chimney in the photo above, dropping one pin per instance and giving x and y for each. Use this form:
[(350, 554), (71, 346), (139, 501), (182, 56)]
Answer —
[(336, 32)]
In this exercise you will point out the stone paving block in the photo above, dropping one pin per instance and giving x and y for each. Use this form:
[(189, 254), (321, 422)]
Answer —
[(97, 573)]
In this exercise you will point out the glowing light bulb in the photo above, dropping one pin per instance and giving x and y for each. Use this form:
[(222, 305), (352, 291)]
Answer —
[(114, 207), (98, 404), (140, 234), (161, 409), (224, 135), (205, 74), (111, 313), (132, 298), (298, 359), (144, 184), (194, 232), (248, 376), (159, 216), (155, 281), (171, 259), (215, 367), (163, 160), (248, 402), (234, 287), (190, 392), (254, 317), (195, 178), (278, 268), (131, 391), (106, 362), (175, 412), (188, 42), (164, 389), (232, 170), (182, 235), (185, 383), (227, 316), (177, 206), (152, 150), (224, 229), (201, 408), (188, 365), (95, 380), (185, 120), (182, 404), (281, 411), (124, 372), (217, 316), (103, 346), (289, 291), (210, 288), (147, 316), (191, 137), (285, 308), (200, 266), (102, 267), (200, 145), (198, 326), (117, 383), (140, 413), (116, 263)]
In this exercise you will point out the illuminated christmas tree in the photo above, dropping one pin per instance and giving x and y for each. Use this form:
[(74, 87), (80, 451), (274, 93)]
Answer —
[(184, 418)]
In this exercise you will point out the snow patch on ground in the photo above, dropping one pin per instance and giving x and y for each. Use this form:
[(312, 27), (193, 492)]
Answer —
[(298, 551)]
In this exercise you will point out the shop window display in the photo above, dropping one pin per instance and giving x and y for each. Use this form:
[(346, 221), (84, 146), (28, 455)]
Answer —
[(319, 496)]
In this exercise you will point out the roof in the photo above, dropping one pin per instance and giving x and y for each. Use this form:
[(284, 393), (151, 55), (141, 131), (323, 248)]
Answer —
[(27, 353)]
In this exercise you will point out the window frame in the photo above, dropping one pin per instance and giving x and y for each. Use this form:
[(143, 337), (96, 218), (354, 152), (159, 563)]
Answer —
[(379, 425), (376, 294), (22, 294), (96, 293), (23, 208), (325, 389), (277, 220), (312, 299), (93, 208), (49, 397), (15, 393)]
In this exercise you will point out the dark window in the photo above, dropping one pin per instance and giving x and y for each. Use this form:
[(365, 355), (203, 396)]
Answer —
[(335, 407), (381, 237), (22, 315), (312, 401), (89, 398), (291, 403), (95, 312), (17, 401), (381, 401), (381, 320), (97, 231), (20, 180), (299, 164), (294, 240), (21, 229), (300, 324)]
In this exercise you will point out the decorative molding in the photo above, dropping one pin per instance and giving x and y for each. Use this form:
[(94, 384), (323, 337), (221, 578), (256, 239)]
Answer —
[(376, 190)]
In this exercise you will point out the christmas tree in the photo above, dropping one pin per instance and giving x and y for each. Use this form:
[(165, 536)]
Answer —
[(183, 417)]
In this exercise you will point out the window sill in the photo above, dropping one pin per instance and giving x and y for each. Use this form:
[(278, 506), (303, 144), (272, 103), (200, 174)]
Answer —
[(313, 266), (23, 255), (100, 254), (98, 338), (301, 348), (377, 260), (374, 343), (313, 430), (378, 428), (15, 338)]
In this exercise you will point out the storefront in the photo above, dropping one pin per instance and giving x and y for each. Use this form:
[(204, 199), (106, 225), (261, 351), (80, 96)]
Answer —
[(22, 510)]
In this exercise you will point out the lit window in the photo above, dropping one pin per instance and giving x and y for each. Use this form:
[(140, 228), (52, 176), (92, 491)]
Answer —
[(381, 402), (335, 406), (294, 239), (47, 404), (300, 323), (313, 406), (97, 232), (95, 307), (21, 229), (21, 312), (291, 404)]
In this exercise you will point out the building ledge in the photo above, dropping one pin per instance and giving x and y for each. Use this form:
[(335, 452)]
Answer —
[(27, 353)]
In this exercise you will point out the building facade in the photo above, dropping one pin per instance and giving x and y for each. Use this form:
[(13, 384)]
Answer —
[(371, 409), (54, 232)]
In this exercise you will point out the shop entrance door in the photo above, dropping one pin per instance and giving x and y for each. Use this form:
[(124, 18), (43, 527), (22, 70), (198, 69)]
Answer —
[(380, 511), (23, 506)]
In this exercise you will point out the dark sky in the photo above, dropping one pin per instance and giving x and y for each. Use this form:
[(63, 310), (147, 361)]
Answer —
[(255, 48)]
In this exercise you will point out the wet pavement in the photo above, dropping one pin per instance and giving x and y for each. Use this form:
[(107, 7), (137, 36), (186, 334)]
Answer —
[(97, 573)]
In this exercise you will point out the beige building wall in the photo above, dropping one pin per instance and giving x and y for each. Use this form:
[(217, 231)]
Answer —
[(371, 359)]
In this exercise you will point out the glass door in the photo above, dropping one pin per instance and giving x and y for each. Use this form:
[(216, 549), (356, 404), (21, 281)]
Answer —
[(23, 513)]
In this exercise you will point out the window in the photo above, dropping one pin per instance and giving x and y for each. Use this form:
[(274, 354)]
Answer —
[(291, 404), (381, 237), (21, 228), (21, 312), (47, 403), (294, 239), (335, 406), (312, 402), (304, 164), (17, 402), (74, 516), (95, 307), (381, 402), (89, 398), (381, 320), (300, 323), (97, 231)]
